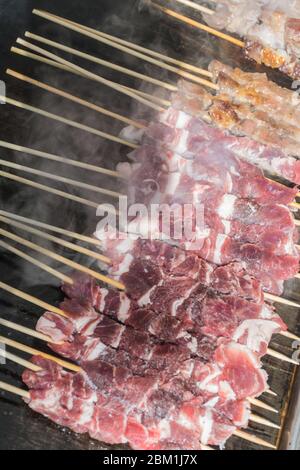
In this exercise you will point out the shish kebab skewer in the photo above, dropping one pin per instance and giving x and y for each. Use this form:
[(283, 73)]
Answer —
[(274, 170), (99, 34), (271, 297), (31, 366), (66, 364), (94, 274), (47, 307), (89, 253), (77, 183), (84, 30), (52, 228), (79, 101), (74, 124)]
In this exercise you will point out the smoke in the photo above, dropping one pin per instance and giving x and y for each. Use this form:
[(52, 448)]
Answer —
[(132, 20)]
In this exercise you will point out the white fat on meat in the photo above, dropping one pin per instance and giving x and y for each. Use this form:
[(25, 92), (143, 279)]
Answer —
[(209, 384), (193, 345), (132, 134), (206, 424), (82, 322), (125, 245), (181, 145), (116, 342), (175, 118), (104, 293), (146, 298), (49, 401), (124, 308), (225, 390), (227, 226), (124, 266), (177, 303), (96, 351), (91, 326), (220, 241), (226, 207), (229, 182), (212, 402), (256, 331), (87, 410), (173, 183), (49, 328), (164, 429)]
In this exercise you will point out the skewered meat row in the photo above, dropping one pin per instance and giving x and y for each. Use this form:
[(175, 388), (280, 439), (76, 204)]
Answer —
[(264, 237), (151, 180), (271, 28), (189, 121), (281, 104), (131, 409), (215, 389), (240, 119)]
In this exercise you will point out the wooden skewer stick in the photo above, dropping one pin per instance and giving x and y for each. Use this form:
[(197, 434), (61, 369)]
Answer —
[(132, 45), (19, 360), (35, 262), (56, 158), (265, 422), (14, 390), (62, 259), (281, 300), (289, 335), (44, 60), (281, 357), (33, 300), (61, 179), (75, 99), (261, 404), (66, 121), (196, 6), (23, 329), (36, 352), (270, 392), (122, 48), (251, 438), (59, 241), (51, 228), (90, 75), (198, 25), (105, 63), (48, 189)]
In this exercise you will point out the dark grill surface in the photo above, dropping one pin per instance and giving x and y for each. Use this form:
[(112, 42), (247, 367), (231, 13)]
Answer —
[(21, 428)]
